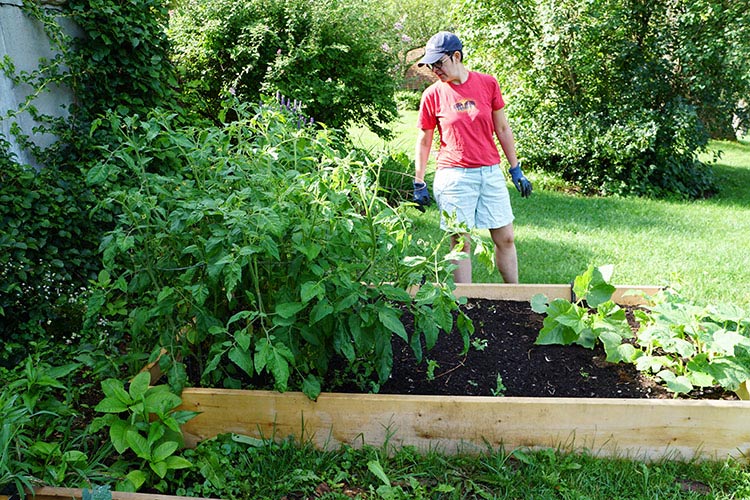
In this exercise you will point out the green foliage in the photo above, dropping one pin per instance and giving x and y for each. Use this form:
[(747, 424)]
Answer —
[(591, 317), (265, 252), (41, 437), (122, 61), (686, 345), (48, 246), (238, 467), (15, 440), (408, 100), (48, 237), (326, 55), (683, 344), (392, 171), (616, 95), (150, 428)]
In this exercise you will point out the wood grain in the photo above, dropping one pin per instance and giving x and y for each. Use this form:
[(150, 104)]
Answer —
[(638, 428)]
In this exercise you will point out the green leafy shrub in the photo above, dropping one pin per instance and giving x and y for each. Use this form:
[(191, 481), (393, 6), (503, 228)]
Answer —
[(268, 252), (619, 97), (326, 55)]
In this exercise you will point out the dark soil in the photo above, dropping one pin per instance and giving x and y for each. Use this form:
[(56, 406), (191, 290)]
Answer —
[(503, 344)]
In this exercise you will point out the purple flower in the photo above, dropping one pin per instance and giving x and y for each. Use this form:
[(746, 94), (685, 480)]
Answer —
[(398, 26), (385, 47), (405, 38)]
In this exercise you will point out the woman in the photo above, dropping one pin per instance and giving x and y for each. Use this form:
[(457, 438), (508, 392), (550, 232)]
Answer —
[(467, 109)]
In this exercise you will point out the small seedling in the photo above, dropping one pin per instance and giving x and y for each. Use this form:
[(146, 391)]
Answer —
[(499, 390), (479, 344), (431, 365)]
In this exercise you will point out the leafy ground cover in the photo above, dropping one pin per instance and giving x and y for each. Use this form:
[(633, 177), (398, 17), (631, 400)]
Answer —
[(244, 468)]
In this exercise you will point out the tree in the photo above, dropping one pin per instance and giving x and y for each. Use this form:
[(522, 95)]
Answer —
[(327, 55), (616, 95)]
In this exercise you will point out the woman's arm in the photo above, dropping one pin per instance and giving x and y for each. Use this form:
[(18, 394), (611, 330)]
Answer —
[(422, 153), (505, 136)]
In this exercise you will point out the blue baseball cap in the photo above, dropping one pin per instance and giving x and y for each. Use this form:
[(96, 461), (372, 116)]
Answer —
[(441, 43)]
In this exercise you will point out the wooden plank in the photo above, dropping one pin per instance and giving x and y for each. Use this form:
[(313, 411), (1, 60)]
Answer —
[(53, 493), (623, 294), (638, 428)]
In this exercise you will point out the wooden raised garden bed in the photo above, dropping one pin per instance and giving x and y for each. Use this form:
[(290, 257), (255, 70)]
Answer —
[(54, 493), (637, 428)]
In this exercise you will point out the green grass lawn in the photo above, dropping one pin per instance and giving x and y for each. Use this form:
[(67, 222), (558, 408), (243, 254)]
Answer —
[(698, 247)]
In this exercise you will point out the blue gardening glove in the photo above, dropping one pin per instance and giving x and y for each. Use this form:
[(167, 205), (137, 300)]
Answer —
[(521, 182), (421, 195)]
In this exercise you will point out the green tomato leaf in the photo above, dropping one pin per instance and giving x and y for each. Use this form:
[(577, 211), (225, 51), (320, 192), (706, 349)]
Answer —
[(242, 338), (242, 358), (289, 309), (343, 344), (395, 294), (414, 260), (321, 310), (441, 310), (427, 294), (392, 322), (430, 331), (311, 387), (311, 290)]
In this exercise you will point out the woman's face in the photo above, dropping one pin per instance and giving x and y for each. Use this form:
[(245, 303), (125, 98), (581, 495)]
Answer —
[(446, 68)]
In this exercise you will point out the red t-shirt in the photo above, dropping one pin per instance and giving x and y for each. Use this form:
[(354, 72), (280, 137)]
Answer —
[(463, 116)]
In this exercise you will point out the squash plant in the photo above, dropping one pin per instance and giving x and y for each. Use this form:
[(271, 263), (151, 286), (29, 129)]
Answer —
[(259, 252), (683, 344)]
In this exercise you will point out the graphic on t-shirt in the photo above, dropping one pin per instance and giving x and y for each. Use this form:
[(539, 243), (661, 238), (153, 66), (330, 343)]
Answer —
[(464, 105)]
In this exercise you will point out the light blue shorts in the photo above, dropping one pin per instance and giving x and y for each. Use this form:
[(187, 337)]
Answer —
[(477, 197)]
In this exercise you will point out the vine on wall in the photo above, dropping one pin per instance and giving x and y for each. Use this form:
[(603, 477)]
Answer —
[(49, 225)]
